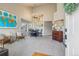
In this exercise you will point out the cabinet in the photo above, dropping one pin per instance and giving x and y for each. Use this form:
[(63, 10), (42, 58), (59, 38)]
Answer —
[(57, 35)]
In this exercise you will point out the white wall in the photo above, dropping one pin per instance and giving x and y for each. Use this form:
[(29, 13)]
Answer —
[(19, 11), (72, 22)]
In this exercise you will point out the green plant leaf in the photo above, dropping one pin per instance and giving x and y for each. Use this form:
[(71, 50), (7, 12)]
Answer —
[(70, 7)]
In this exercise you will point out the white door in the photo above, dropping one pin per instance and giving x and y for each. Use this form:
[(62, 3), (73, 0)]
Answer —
[(72, 42)]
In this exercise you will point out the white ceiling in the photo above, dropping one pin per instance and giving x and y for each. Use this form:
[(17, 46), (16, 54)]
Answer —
[(34, 4)]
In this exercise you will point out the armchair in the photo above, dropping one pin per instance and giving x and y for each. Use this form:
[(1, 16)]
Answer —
[(19, 35)]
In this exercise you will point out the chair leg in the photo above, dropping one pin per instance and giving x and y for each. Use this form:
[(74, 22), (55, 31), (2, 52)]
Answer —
[(2, 44)]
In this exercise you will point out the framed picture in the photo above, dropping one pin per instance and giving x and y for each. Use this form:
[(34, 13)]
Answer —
[(7, 20)]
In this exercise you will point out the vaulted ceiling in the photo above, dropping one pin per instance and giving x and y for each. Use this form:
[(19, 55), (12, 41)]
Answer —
[(35, 4)]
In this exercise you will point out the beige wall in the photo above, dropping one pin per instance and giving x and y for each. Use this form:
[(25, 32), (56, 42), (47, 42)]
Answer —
[(26, 12), (59, 14), (46, 10), (19, 11)]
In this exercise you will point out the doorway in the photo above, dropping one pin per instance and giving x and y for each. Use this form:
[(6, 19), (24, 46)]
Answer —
[(47, 27)]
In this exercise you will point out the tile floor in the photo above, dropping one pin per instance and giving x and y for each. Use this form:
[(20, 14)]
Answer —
[(29, 45)]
